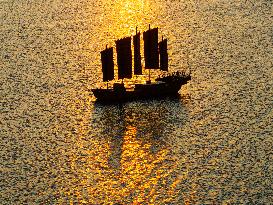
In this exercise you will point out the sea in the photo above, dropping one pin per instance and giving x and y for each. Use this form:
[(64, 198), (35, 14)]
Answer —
[(210, 145)]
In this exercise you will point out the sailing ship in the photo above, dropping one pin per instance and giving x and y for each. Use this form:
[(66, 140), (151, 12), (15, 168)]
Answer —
[(155, 53)]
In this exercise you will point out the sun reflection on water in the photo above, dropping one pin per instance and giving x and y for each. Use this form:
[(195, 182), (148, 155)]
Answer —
[(138, 175), (152, 174), (121, 17), (123, 165)]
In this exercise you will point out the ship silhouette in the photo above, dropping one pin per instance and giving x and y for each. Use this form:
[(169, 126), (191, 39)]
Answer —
[(154, 54)]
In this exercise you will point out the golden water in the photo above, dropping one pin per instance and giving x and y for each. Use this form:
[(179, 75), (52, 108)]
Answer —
[(211, 146)]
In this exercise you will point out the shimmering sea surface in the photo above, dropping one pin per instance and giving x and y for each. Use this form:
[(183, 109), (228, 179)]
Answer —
[(212, 145)]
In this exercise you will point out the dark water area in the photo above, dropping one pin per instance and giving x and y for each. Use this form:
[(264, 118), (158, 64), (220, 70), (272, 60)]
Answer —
[(211, 145)]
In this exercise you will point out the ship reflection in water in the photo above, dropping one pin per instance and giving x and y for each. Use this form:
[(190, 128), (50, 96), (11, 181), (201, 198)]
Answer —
[(136, 166)]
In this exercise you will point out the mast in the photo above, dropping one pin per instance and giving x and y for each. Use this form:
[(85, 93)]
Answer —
[(107, 64), (124, 58), (163, 51), (137, 56)]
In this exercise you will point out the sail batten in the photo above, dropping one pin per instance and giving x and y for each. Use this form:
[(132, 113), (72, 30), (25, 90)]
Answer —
[(107, 64), (151, 56), (163, 51), (137, 56), (124, 58)]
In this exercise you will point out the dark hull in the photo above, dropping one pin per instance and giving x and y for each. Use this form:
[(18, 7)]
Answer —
[(144, 91)]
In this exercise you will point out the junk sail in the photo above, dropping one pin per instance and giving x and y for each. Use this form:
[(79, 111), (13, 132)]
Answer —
[(124, 58), (137, 56), (124, 55), (163, 55), (107, 64), (151, 56)]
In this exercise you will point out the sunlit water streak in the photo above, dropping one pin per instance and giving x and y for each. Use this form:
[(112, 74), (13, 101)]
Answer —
[(211, 146)]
